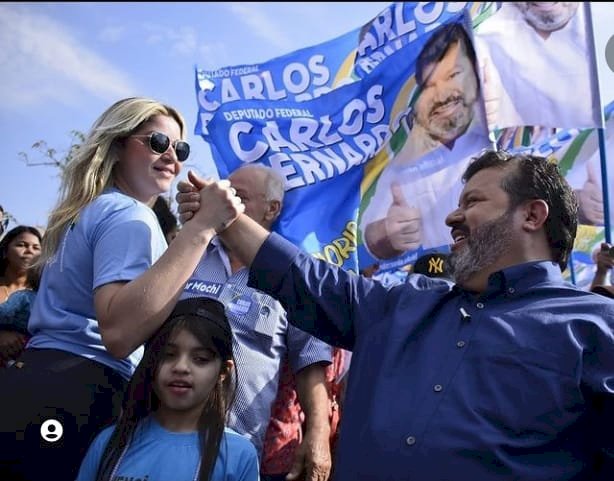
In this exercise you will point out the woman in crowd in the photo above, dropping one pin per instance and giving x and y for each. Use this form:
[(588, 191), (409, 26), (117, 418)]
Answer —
[(19, 250), (108, 283)]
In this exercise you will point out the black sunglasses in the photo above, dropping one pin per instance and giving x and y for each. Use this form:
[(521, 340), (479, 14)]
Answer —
[(160, 143)]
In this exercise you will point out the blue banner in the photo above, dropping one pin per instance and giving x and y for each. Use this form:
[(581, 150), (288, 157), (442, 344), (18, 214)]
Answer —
[(321, 147), (372, 130)]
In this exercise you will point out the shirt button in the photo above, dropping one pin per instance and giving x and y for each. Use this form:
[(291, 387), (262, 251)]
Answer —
[(479, 305), (410, 440), (437, 387), (511, 290), (460, 344)]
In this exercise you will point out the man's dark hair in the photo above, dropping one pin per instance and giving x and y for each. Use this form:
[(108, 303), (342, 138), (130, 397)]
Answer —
[(531, 177), (438, 45)]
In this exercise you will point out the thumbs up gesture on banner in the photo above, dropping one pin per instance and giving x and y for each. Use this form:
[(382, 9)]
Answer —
[(403, 222), (590, 198)]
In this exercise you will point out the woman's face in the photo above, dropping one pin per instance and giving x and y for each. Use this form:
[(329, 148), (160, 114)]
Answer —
[(23, 251), (143, 173)]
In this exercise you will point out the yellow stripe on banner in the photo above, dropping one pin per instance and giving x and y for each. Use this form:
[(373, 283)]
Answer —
[(375, 166), (373, 169), (587, 237), (346, 70), (402, 101)]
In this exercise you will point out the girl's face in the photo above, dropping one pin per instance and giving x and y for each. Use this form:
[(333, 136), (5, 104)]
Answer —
[(143, 173), (23, 251), (186, 376)]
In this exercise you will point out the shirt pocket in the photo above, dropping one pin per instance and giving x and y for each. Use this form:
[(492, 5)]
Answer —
[(262, 324), (524, 389), (269, 315)]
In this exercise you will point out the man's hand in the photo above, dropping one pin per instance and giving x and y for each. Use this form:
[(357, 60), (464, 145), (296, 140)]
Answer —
[(312, 458), (403, 222), (188, 198), (11, 344), (222, 204), (590, 199), (603, 259)]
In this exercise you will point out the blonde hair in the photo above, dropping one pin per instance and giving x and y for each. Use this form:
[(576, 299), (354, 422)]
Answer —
[(90, 171)]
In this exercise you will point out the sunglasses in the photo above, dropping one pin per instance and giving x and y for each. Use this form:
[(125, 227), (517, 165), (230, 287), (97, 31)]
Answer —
[(160, 143)]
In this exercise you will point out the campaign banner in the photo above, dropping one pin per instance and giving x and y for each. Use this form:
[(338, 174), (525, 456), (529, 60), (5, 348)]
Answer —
[(316, 70), (370, 156), (538, 60), (579, 156), (321, 147)]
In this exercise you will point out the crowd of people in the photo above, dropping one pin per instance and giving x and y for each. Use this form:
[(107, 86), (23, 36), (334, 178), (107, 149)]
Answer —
[(208, 347)]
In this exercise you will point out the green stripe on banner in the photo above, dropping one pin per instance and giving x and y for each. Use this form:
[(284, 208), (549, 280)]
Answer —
[(569, 158)]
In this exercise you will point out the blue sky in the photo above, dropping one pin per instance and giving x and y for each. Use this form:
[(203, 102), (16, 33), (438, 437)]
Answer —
[(62, 64)]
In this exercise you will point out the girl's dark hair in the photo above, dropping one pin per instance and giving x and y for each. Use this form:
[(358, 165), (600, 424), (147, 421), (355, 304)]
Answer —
[(4, 245), (206, 320)]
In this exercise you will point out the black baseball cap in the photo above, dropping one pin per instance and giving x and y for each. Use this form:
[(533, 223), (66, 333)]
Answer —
[(209, 311), (432, 265)]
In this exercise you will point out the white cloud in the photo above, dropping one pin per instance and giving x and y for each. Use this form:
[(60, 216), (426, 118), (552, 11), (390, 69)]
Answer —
[(213, 55), (182, 42), (261, 24), (40, 61), (112, 34)]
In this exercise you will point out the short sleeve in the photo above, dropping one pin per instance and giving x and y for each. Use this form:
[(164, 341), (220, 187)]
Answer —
[(91, 461)]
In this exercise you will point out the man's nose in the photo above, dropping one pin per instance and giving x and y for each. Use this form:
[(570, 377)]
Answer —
[(454, 217)]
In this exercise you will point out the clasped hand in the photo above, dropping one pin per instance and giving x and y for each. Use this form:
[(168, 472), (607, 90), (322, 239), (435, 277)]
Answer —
[(222, 206)]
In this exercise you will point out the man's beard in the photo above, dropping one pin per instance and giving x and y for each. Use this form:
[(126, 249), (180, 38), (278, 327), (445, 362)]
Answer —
[(482, 248), (549, 21), (449, 128)]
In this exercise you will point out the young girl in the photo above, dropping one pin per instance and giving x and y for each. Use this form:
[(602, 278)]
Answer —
[(172, 425)]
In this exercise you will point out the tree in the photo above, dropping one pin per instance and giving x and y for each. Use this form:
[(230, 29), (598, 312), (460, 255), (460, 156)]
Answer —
[(51, 156)]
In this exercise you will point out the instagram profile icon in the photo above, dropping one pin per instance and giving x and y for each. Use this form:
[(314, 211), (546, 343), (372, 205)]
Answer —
[(52, 430)]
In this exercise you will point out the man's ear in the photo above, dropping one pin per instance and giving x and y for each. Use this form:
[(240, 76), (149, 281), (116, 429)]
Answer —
[(273, 210), (535, 214)]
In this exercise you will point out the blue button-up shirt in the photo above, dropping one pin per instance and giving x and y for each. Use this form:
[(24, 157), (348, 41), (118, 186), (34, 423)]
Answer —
[(514, 384)]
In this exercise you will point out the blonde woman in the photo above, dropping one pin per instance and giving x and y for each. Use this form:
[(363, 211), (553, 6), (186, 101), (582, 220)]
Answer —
[(108, 283)]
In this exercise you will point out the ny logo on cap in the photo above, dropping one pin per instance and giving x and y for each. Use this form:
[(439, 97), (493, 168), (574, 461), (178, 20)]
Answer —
[(435, 265)]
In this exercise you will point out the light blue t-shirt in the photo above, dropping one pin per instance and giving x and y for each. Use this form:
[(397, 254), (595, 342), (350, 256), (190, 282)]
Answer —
[(156, 454), (115, 238)]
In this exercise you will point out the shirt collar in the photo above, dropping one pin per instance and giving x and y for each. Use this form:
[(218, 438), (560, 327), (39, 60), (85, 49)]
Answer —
[(520, 278)]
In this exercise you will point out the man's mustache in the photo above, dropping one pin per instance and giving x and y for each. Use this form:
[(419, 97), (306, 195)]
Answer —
[(448, 100)]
